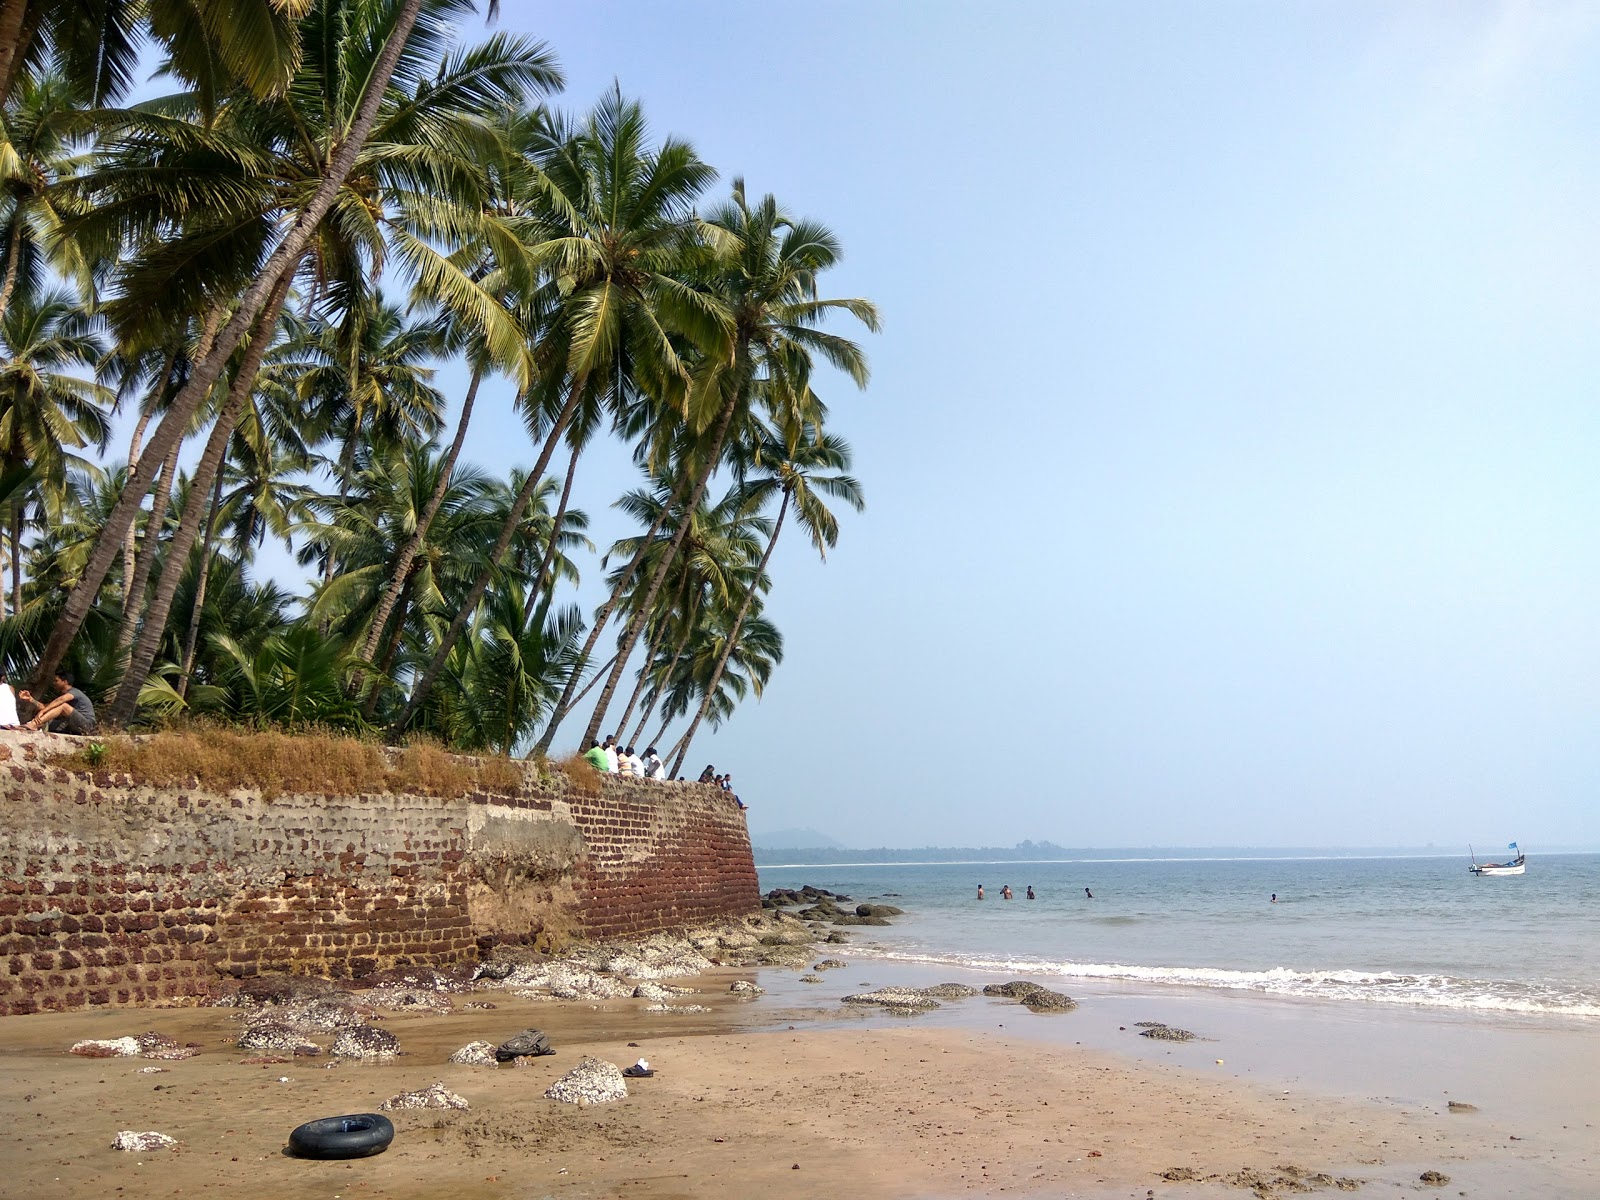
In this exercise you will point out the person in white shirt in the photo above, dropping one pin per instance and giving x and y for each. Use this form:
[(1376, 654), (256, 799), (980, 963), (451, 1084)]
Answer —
[(625, 763), (613, 760), (654, 768), (635, 764), (8, 704)]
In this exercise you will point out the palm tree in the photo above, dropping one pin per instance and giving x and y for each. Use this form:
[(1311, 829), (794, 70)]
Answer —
[(428, 130), (252, 42), (37, 135), (789, 463), (284, 180), (363, 381), (47, 408), (618, 265), (768, 283)]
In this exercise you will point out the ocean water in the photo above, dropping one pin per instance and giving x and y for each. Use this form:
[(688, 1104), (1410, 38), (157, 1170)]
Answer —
[(1409, 931)]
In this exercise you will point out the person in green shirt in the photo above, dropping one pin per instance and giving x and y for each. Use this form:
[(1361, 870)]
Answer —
[(595, 756)]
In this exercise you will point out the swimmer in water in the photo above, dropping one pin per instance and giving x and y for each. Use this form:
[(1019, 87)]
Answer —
[(1274, 897), (1087, 894), (1005, 892), (1030, 892), (980, 891)]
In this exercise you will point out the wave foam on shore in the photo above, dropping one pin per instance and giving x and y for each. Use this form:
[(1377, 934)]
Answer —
[(1379, 987)]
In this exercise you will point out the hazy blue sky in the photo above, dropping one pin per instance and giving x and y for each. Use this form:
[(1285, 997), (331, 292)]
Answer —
[(1231, 444), (1230, 450)]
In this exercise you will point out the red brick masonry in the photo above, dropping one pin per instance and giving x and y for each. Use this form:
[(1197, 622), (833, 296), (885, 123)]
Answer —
[(113, 893)]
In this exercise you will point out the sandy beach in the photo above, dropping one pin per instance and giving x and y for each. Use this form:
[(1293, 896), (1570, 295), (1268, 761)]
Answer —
[(795, 1094)]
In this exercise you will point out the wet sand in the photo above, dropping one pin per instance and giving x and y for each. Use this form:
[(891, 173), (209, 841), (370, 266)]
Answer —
[(788, 1094)]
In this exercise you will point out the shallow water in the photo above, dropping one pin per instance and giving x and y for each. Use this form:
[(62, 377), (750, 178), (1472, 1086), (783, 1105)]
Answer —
[(1399, 931)]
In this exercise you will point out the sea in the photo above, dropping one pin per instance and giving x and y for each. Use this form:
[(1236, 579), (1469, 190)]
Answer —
[(1420, 932)]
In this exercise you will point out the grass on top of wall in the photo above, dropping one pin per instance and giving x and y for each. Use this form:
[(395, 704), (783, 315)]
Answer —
[(275, 763)]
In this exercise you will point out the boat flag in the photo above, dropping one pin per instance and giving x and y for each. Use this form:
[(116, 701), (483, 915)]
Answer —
[(1512, 846)]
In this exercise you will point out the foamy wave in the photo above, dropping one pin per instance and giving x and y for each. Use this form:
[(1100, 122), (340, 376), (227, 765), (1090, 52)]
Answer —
[(1380, 987)]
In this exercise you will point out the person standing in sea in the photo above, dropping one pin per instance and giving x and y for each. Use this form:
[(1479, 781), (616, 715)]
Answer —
[(980, 891)]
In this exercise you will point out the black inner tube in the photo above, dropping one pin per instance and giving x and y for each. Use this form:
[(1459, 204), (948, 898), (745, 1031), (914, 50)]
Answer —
[(354, 1136)]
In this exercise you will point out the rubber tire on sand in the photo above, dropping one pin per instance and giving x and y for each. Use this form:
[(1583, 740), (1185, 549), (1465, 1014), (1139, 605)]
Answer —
[(354, 1136)]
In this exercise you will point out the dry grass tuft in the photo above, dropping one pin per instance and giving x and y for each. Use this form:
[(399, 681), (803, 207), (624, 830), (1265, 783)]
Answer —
[(274, 763), (580, 773)]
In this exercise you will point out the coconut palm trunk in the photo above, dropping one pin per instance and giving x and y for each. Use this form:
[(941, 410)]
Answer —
[(568, 700), (144, 562), (392, 649), (551, 548), (13, 257), (279, 267), (155, 621), (733, 634), (630, 635), (508, 530), (677, 653), (650, 650), (401, 575), (16, 555), (130, 541), (191, 639), (17, 28)]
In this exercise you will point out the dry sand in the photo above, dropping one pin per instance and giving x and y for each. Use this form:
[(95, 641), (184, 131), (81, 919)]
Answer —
[(749, 1100)]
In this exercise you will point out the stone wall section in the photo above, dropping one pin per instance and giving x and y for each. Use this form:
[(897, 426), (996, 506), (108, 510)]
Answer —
[(115, 893)]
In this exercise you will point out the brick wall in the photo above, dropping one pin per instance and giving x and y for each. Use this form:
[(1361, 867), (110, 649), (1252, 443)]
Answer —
[(115, 893)]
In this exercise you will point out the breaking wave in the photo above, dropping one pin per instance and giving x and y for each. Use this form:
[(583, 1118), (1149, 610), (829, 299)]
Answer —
[(1377, 987)]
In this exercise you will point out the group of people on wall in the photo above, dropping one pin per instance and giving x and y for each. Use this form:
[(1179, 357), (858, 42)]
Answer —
[(68, 711), (610, 759)]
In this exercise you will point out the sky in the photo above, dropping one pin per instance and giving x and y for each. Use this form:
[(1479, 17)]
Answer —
[(1229, 450)]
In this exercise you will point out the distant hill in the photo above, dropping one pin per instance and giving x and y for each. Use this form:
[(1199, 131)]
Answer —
[(793, 839)]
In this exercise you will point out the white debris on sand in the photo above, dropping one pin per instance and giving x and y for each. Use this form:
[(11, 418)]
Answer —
[(651, 991), (433, 1096), (122, 1047), (592, 1081), (139, 1142), (476, 1054), (676, 1008)]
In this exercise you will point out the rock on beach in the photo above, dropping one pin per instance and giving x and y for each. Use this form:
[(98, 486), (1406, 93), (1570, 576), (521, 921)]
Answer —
[(366, 1042), (435, 1095), (592, 1081), (123, 1047), (476, 1054), (894, 999)]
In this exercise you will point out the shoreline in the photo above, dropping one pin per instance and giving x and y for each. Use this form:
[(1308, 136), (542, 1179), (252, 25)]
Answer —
[(980, 1097)]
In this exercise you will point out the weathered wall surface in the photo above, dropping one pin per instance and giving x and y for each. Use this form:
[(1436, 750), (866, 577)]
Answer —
[(113, 893)]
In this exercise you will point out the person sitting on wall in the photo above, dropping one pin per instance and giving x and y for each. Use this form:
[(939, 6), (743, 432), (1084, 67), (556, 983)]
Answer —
[(8, 704), (595, 756), (609, 749), (70, 712), (709, 775), (624, 762), (635, 763), (654, 768)]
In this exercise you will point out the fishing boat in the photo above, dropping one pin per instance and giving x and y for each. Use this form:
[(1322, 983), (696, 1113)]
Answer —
[(1515, 866)]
